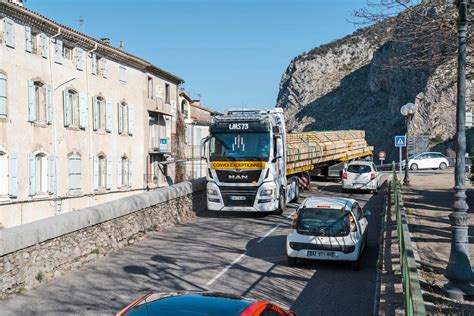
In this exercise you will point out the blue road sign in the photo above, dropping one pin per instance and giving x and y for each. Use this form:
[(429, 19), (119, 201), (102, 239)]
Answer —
[(400, 141)]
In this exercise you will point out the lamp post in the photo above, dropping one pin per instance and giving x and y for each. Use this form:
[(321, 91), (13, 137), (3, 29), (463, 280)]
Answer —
[(459, 271), (408, 111)]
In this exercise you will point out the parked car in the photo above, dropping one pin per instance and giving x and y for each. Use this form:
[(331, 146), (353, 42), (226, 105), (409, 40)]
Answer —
[(427, 160), (361, 175), (200, 303), (328, 228)]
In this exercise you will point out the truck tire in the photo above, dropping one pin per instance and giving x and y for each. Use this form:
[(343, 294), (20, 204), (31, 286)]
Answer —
[(281, 203)]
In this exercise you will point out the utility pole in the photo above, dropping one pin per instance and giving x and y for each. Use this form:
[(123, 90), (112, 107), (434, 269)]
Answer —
[(459, 271)]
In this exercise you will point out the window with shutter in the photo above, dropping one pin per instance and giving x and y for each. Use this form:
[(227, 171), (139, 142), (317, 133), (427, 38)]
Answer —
[(31, 101), (122, 74), (131, 119), (109, 174), (119, 173), (80, 59), (13, 176), (104, 70), (3, 95), (94, 64), (75, 174), (31, 174), (38, 102), (49, 104), (96, 174), (44, 45), (28, 40), (108, 111), (9, 33), (129, 173), (58, 51), (51, 174), (120, 117)]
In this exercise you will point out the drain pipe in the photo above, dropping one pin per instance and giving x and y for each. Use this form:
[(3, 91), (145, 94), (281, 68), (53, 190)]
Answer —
[(91, 167)]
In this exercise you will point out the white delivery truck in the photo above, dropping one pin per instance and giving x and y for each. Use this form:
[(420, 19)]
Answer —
[(254, 165)]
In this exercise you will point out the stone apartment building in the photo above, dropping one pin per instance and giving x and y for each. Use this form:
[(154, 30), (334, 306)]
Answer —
[(197, 120), (81, 122)]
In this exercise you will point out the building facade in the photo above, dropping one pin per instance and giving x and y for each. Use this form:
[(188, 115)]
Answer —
[(81, 122), (197, 120)]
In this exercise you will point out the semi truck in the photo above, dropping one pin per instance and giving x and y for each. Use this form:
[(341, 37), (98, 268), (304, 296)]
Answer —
[(254, 165)]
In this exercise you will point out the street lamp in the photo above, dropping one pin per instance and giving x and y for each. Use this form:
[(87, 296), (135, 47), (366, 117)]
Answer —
[(459, 271), (408, 111)]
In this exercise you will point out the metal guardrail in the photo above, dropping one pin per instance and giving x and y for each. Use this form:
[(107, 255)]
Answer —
[(414, 304)]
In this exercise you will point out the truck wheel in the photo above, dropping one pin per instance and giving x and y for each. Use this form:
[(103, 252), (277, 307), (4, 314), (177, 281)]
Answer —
[(281, 203)]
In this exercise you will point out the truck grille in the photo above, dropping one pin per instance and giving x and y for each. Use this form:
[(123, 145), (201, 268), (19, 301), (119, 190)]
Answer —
[(247, 176), (239, 196)]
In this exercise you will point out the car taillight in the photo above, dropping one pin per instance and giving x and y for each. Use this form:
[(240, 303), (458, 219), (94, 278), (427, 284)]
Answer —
[(372, 176), (344, 175)]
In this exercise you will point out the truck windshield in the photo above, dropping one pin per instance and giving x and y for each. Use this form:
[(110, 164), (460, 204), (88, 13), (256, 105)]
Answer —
[(239, 146)]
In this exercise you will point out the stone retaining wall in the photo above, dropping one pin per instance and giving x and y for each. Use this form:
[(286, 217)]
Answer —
[(40, 251)]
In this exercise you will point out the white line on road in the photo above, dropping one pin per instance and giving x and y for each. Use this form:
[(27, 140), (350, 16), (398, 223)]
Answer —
[(321, 189), (268, 233)]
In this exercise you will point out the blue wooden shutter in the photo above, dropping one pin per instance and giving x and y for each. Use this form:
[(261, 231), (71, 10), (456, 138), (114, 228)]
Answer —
[(131, 119), (67, 108), (13, 176), (108, 114), (119, 173), (75, 173), (109, 174), (58, 51), (31, 174), (51, 174), (9, 32), (120, 117), (3, 95), (31, 101), (130, 173), (44, 45), (49, 104), (28, 40), (95, 114), (96, 172), (94, 63), (83, 111)]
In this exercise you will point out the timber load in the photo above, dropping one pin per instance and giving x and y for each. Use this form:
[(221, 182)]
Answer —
[(305, 150)]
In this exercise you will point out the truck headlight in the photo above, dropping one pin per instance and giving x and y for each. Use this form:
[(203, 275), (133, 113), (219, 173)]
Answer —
[(266, 192), (212, 192)]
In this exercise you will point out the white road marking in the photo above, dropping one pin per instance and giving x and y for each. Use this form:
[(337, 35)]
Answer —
[(321, 189), (242, 256)]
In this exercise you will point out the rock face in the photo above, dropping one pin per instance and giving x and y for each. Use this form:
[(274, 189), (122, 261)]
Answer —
[(352, 84)]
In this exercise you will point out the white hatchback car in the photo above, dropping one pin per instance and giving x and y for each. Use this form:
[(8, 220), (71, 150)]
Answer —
[(361, 175), (429, 160), (327, 228)]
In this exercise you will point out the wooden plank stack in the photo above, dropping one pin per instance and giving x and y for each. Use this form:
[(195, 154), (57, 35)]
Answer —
[(311, 148)]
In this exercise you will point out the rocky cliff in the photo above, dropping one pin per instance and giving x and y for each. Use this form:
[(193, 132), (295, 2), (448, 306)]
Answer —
[(358, 82)]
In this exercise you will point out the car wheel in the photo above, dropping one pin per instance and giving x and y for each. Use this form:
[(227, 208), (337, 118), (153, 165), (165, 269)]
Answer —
[(414, 167), (442, 166), (281, 203), (291, 261)]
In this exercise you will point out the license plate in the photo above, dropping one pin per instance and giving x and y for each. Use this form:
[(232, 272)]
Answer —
[(237, 198), (316, 253)]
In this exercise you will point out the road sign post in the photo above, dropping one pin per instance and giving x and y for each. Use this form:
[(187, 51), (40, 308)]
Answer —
[(400, 142)]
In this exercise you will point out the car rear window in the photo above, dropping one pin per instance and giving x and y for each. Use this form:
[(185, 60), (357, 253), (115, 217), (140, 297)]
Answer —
[(324, 221), (359, 169)]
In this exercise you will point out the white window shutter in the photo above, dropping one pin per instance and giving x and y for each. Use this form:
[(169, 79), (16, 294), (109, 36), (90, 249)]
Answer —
[(28, 40), (108, 114), (95, 167), (129, 173), (94, 63), (131, 119), (109, 174), (9, 33), (58, 51), (120, 118), (105, 68), (49, 104), (83, 111), (44, 45), (13, 176), (67, 109), (75, 173), (31, 174), (95, 114), (122, 74), (80, 58), (51, 174), (119, 173), (31, 101), (3, 95)]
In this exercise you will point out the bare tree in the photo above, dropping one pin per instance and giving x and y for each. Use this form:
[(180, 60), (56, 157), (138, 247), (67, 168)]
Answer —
[(180, 153), (422, 32)]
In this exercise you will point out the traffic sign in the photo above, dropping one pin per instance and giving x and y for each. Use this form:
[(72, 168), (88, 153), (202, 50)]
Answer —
[(382, 155), (400, 141)]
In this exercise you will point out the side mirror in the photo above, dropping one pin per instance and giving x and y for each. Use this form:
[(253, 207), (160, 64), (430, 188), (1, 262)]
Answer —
[(203, 147), (276, 158)]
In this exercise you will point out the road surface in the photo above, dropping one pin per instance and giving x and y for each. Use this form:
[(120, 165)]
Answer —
[(241, 254)]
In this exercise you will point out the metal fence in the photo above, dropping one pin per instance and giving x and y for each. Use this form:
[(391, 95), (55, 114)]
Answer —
[(414, 304)]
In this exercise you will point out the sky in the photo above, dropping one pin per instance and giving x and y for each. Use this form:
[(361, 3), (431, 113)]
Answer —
[(231, 53)]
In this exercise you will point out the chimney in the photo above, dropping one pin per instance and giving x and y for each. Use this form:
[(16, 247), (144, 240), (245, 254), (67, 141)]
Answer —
[(121, 45)]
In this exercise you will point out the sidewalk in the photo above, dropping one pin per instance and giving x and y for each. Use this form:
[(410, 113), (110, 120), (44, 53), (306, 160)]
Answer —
[(428, 201)]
